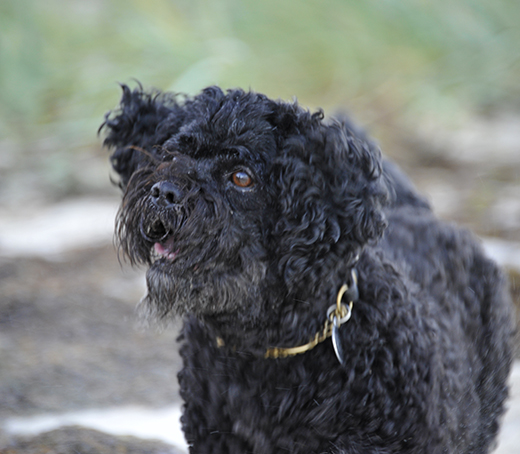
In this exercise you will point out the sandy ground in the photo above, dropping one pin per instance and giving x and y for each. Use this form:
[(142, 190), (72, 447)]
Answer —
[(69, 342)]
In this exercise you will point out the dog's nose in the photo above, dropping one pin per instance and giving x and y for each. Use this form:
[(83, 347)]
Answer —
[(165, 194)]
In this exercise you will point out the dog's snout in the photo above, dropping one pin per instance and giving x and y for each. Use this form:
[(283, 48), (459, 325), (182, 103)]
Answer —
[(165, 194)]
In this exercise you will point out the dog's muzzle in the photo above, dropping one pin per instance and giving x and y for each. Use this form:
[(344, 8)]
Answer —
[(167, 212), (165, 198)]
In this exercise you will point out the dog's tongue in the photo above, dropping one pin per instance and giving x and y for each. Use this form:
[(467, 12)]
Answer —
[(166, 249)]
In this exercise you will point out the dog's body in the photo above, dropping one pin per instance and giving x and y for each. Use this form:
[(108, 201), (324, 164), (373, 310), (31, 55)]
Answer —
[(252, 214)]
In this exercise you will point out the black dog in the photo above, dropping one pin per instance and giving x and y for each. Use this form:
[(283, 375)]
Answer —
[(270, 230)]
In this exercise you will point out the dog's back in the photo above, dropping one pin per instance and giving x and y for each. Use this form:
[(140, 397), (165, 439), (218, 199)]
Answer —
[(467, 295)]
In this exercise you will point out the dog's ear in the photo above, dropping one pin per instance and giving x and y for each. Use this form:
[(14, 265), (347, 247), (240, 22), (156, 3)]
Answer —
[(138, 128), (331, 197)]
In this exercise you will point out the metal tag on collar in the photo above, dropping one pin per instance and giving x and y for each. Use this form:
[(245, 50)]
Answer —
[(336, 342), (340, 313)]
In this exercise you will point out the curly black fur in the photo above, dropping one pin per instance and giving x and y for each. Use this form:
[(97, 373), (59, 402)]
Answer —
[(251, 214)]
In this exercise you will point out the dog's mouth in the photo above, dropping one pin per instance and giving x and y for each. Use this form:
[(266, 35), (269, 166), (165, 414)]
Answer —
[(167, 249), (161, 237)]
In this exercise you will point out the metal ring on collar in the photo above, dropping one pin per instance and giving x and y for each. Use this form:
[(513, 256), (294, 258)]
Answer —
[(344, 313)]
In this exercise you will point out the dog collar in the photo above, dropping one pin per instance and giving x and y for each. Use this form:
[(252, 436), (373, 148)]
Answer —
[(337, 315)]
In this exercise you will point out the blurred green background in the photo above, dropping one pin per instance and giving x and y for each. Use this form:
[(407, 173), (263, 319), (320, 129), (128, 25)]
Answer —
[(391, 62)]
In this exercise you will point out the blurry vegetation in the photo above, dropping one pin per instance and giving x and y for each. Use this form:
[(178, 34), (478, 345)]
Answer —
[(60, 59)]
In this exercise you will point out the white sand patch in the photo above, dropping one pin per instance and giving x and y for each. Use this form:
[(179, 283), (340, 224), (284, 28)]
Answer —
[(50, 231), (509, 437), (505, 253), (147, 423)]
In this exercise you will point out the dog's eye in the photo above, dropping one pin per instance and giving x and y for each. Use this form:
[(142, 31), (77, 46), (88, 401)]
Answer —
[(241, 179)]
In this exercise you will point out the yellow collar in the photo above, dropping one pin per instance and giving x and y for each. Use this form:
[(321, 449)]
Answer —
[(337, 314)]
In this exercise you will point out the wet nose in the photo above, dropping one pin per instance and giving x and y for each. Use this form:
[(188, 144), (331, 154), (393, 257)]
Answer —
[(165, 194)]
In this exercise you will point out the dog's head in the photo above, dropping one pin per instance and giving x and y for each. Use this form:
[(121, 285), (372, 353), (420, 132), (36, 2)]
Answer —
[(238, 202)]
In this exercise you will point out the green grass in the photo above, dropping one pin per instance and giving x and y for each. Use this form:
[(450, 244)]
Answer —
[(60, 59)]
